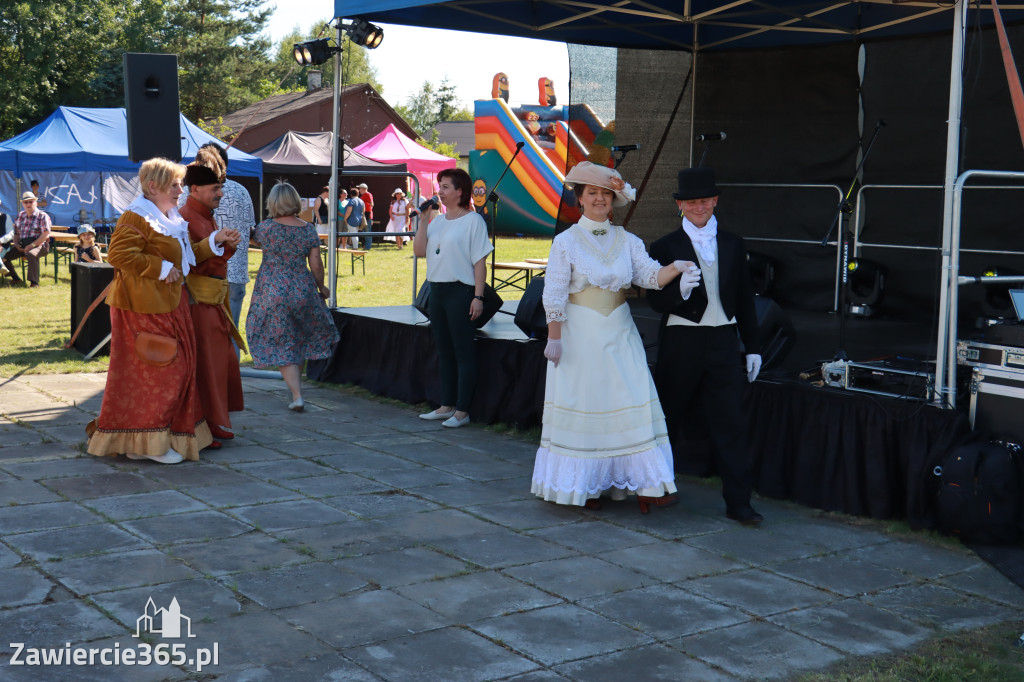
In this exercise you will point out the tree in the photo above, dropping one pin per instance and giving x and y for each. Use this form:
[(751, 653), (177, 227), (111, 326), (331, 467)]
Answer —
[(429, 107), (67, 53), (223, 61), (70, 53), (434, 144)]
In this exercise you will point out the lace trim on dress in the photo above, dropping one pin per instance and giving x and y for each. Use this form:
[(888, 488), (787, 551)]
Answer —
[(608, 270), (571, 480), (556, 316)]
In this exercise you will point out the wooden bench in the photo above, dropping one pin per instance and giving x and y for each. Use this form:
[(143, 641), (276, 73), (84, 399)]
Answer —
[(63, 244), (357, 255)]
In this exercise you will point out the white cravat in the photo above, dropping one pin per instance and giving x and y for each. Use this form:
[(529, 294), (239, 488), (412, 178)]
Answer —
[(170, 224), (705, 239)]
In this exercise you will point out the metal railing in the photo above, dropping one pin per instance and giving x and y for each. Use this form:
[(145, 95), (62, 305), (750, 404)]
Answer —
[(945, 355), (807, 242), (333, 234)]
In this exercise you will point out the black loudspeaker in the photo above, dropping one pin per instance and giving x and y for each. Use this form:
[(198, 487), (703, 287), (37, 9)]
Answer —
[(87, 282), (151, 106), (530, 317), (762, 272), (775, 332)]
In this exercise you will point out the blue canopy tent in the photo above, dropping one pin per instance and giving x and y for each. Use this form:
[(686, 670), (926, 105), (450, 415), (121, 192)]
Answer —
[(698, 26), (80, 157), (84, 139)]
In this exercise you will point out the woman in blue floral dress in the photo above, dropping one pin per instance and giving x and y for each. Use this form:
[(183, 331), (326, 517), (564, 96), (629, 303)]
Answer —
[(288, 322)]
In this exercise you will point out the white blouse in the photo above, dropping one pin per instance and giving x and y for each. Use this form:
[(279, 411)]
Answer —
[(454, 246), (579, 258)]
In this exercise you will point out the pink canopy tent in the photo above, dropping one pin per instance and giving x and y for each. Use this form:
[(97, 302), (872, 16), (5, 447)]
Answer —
[(391, 146)]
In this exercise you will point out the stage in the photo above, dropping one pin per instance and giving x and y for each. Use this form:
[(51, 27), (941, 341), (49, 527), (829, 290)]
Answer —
[(824, 447)]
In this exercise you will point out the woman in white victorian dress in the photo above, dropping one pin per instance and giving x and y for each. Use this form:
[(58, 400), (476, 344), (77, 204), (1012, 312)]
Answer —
[(603, 427)]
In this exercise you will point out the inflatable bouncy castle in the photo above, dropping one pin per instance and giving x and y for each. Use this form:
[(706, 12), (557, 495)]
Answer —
[(554, 139)]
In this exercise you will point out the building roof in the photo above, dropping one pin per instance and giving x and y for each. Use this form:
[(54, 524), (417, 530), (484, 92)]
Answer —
[(275, 106), (460, 133)]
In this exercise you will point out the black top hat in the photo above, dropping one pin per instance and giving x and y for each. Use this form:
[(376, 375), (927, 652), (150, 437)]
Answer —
[(696, 183)]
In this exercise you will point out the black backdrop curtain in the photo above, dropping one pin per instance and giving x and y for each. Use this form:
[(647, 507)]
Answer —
[(825, 448)]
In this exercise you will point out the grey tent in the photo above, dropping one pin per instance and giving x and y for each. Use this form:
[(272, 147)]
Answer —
[(296, 152)]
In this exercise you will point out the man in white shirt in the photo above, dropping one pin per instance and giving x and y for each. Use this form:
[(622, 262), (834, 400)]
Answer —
[(705, 314)]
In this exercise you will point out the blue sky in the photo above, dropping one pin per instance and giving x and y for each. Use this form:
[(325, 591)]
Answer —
[(406, 57)]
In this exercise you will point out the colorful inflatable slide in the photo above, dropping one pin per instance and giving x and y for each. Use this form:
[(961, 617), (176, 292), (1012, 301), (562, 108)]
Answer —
[(555, 138)]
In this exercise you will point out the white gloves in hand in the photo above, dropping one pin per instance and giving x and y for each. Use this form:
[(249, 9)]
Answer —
[(690, 279), (753, 367), (553, 351)]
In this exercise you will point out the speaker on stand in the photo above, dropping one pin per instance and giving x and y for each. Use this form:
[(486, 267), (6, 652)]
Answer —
[(151, 106)]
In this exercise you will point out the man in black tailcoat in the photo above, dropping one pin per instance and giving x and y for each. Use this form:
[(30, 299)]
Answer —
[(705, 314)]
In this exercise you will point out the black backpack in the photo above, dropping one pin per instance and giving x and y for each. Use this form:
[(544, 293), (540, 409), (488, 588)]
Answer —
[(979, 493)]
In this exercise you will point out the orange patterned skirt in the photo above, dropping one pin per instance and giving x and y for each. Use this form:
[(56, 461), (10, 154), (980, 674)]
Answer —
[(146, 409)]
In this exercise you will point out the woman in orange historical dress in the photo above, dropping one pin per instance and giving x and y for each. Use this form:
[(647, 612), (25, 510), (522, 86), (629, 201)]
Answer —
[(150, 406)]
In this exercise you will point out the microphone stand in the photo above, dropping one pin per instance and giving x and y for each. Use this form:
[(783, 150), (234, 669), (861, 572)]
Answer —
[(493, 198), (842, 216), (620, 156)]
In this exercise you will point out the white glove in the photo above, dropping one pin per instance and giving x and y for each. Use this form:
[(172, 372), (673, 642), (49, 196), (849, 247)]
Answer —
[(553, 351), (689, 281), (753, 367)]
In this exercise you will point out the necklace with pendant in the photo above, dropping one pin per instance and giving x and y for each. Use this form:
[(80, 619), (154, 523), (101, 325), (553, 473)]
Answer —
[(438, 249)]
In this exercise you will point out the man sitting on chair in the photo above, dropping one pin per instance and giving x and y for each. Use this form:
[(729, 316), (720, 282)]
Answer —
[(31, 239)]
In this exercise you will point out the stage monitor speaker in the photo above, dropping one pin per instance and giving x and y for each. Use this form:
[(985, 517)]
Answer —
[(775, 332), (492, 304), (151, 106), (530, 317), (87, 282)]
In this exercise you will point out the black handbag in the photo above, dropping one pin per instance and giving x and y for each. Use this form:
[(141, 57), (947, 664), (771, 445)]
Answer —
[(492, 303)]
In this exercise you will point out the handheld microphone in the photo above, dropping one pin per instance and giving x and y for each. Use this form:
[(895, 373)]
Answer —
[(712, 136), (626, 148), (429, 203)]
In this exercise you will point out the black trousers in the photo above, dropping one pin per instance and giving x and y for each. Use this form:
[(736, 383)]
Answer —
[(454, 335), (700, 377)]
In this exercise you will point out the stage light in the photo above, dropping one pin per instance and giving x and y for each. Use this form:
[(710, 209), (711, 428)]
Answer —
[(362, 32), (865, 287), (313, 52), (762, 271)]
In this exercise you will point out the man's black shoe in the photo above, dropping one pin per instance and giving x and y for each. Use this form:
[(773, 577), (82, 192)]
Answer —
[(745, 515)]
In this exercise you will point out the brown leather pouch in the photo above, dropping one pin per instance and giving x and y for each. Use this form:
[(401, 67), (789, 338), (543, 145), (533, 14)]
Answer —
[(155, 350)]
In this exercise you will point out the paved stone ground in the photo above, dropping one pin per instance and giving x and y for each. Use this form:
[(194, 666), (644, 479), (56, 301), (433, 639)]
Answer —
[(357, 542)]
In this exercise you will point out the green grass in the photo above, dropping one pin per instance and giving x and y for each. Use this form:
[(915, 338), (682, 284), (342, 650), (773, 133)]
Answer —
[(37, 322), (983, 655)]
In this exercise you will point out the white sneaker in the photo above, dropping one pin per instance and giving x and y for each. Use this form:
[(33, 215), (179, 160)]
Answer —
[(453, 423), (435, 415), (297, 405), (172, 456)]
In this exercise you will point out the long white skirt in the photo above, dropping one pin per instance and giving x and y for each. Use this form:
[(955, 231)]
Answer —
[(396, 226), (604, 429)]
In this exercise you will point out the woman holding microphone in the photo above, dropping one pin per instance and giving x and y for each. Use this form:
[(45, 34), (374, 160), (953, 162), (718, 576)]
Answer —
[(455, 244)]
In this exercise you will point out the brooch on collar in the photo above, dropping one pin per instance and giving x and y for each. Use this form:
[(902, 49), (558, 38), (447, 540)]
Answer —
[(599, 232)]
